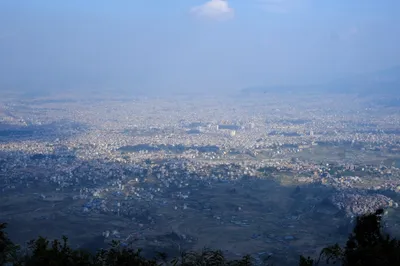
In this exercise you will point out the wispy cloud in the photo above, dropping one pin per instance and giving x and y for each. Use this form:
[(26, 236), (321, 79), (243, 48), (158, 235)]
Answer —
[(283, 6), (275, 6), (345, 34), (214, 9)]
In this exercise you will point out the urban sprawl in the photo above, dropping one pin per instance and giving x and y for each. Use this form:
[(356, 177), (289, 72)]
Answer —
[(188, 173)]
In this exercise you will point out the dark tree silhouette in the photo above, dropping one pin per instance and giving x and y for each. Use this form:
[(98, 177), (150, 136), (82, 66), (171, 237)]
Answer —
[(8, 251), (42, 252), (367, 245)]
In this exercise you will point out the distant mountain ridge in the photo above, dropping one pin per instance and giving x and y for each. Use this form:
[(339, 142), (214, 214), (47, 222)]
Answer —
[(385, 81)]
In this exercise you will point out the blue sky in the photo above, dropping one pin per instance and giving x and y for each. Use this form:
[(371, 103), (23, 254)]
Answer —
[(200, 45)]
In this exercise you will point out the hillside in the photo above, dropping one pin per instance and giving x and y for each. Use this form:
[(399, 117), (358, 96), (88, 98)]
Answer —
[(386, 81)]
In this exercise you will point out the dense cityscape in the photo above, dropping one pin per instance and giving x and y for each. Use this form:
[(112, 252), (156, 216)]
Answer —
[(279, 171), (201, 132)]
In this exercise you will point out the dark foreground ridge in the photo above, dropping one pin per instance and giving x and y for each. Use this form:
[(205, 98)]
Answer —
[(367, 245)]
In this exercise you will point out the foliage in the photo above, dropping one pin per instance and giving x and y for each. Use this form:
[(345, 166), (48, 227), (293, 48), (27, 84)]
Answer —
[(44, 252), (8, 250), (366, 245), (118, 256), (58, 253)]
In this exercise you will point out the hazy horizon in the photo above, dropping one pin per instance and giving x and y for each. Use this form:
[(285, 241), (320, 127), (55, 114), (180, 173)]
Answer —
[(194, 45)]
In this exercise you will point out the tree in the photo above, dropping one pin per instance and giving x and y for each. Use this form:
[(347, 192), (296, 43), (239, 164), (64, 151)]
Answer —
[(8, 251), (121, 256), (367, 245), (48, 253)]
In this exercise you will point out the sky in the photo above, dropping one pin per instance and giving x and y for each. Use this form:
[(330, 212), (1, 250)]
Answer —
[(192, 45)]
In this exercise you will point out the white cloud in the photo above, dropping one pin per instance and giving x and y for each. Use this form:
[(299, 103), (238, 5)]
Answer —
[(214, 9)]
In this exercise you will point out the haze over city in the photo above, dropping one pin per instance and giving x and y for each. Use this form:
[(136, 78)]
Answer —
[(194, 45), (217, 132)]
